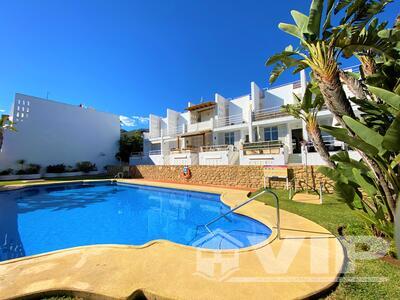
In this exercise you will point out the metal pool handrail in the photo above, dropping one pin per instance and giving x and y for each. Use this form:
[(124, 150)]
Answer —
[(278, 219)]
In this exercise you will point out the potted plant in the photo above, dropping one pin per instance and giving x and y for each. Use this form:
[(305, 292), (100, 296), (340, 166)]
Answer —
[(7, 174), (60, 170), (32, 171), (87, 167)]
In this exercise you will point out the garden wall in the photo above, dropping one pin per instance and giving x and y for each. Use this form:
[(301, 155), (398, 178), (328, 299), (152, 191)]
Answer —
[(236, 176)]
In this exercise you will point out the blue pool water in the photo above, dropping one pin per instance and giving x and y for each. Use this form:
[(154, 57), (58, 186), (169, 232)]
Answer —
[(42, 219)]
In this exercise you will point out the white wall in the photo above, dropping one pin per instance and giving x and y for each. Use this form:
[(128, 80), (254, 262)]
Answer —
[(50, 132), (278, 96), (314, 159), (256, 97), (154, 126), (263, 159), (214, 158), (241, 106)]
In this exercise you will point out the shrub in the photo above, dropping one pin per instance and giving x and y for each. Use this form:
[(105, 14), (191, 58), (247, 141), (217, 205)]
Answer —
[(71, 169), (6, 172), (86, 166), (60, 168), (32, 169)]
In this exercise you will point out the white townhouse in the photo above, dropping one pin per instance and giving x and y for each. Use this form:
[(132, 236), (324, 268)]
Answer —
[(50, 132), (247, 130)]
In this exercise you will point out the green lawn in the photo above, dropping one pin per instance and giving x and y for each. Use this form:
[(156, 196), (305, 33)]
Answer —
[(332, 215), (8, 182)]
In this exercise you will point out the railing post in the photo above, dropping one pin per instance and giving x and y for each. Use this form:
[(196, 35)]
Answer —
[(320, 193)]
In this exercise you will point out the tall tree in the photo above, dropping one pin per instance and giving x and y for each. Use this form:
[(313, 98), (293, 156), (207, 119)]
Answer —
[(5, 124), (357, 34)]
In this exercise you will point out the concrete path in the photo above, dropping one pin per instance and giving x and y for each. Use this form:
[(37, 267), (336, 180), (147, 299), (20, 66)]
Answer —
[(307, 198)]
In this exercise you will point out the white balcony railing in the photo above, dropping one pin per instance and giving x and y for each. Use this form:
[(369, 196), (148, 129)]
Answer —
[(201, 126), (213, 148), (330, 142), (269, 113), (263, 147), (230, 120), (155, 152), (174, 131)]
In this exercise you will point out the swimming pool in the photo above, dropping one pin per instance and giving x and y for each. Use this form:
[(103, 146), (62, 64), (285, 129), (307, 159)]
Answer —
[(40, 219)]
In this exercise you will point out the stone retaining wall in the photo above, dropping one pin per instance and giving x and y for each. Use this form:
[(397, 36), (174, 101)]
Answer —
[(251, 177)]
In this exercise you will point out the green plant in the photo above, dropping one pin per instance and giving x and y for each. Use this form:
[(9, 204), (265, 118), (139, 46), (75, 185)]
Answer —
[(60, 168), (86, 166), (130, 142), (32, 169), (21, 163), (5, 124), (370, 185), (6, 172)]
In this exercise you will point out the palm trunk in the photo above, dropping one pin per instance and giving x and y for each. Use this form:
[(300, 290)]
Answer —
[(338, 105), (316, 137), (334, 96), (368, 64), (353, 85)]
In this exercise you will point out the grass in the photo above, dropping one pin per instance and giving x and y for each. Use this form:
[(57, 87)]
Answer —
[(333, 214), (84, 177)]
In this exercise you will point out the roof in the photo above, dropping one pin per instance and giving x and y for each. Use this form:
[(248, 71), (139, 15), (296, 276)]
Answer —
[(188, 134), (204, 105)]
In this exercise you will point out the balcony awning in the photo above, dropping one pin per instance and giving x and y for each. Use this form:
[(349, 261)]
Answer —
[(201, 106), (195, 133)]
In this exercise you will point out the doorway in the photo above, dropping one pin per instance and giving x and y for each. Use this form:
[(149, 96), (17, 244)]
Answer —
[(297, 137)]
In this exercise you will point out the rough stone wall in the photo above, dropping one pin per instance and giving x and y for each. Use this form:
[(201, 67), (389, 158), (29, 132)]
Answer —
[(236, 176), (314, 179)]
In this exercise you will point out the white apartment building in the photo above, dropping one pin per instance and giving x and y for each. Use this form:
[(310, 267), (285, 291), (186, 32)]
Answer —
[(50, 132), (247, 130)]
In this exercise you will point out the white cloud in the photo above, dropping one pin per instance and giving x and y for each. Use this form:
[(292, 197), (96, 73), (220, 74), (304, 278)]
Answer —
[(134, 121), (2, 110)]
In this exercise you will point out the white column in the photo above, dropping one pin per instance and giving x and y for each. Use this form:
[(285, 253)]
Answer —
[(250, 124), (303, 81), (289, 138)]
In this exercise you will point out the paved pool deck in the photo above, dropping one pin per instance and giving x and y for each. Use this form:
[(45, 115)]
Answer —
[(306, 260)]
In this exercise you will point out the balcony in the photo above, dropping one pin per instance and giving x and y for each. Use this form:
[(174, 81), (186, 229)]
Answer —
[(218, 155), (264, 153), (213, 148), (184, 150), (201, 126), (330, 142), (230, 120), (166, 132), (182, 157), (174, 131), (265, 147), (268, 113)]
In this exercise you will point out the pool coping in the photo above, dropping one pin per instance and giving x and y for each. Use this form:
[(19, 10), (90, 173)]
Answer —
[(93, 286)]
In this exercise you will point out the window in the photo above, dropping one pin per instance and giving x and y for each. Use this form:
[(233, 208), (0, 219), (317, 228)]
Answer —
[(229, 138), (271, 133)]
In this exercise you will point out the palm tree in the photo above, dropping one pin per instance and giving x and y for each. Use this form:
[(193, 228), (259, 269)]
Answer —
[(5, 124), (320, 47), (307, 110)]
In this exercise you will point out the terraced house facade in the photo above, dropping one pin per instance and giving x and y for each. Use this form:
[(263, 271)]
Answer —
[(247, 130)]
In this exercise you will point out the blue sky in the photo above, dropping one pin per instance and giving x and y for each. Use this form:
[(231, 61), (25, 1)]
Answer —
[(133, 57)]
